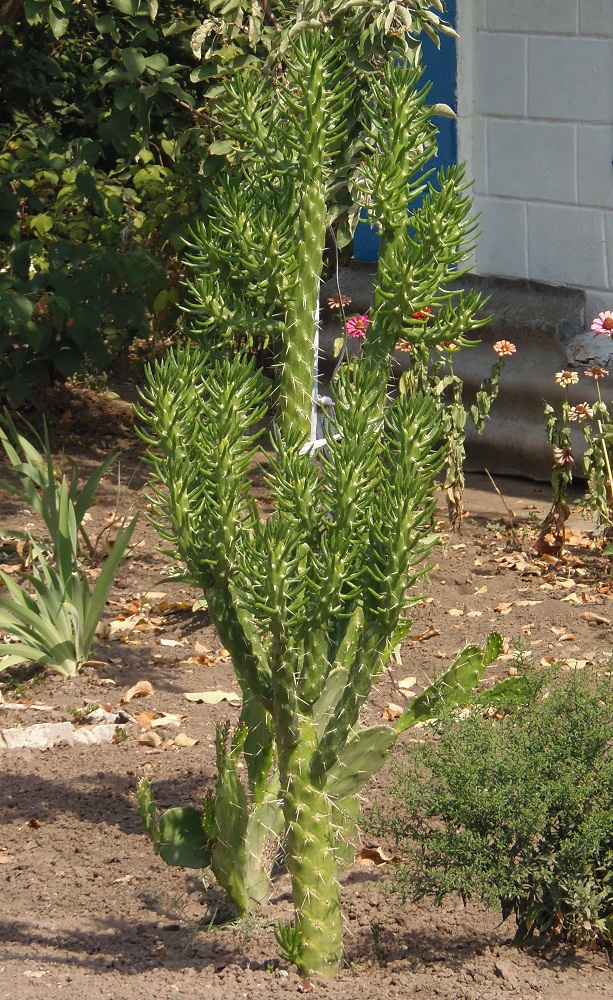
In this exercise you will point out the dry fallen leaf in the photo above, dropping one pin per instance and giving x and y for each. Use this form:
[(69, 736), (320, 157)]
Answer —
[(213, 697), (591, 616), (149, 739), (142, 689), (168, 719), (183, 740), (504, 608), (567, 637), (375, 856), (407, 683), (144, 719), (133, 623), (455, 612), (167, 606), (573, 664), (430, 632), (391, 712)]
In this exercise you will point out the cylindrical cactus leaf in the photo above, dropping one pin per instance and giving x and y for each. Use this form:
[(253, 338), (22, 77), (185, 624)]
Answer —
[(454, 687), (147, 810), (323, 708), (258, 748), (363, 755)]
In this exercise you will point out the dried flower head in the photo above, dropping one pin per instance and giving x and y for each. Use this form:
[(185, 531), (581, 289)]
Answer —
[(336, 301), (580, 412), (596, 372), (563, 456), (404, 345), (566, 378), (504, 348), (357, 326), (603, 323)]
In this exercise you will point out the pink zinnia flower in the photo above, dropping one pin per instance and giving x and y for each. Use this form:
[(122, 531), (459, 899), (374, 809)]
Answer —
[(504, 348), (603, 323), (357, 326), (595, 372)]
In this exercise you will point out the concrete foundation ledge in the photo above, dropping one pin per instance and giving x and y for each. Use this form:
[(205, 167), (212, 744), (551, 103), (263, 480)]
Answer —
[(546, 325)]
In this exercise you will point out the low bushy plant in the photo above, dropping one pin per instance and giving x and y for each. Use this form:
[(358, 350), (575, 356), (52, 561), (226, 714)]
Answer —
[(516, 812)]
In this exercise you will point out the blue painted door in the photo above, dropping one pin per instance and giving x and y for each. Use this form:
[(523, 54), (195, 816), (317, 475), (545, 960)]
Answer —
[(440, 69)]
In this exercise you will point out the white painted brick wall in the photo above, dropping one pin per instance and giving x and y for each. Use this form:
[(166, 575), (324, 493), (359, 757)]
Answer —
[(535, 128)]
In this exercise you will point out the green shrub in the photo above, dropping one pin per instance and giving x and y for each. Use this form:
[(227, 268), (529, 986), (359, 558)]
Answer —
[(516, 812)]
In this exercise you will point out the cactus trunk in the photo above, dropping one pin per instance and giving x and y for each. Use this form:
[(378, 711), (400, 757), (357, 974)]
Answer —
[(311, 860)]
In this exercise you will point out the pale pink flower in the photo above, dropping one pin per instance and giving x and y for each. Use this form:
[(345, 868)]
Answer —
[(563, 456), (603, 323), (357, 326), (580, 412), (504, 348), (596, 372), (566, 378), (335, 301)]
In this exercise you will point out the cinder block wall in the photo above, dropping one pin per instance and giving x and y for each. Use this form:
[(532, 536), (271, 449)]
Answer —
[(535, 128)]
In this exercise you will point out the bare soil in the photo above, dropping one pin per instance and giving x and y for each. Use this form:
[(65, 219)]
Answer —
[(89, 911)]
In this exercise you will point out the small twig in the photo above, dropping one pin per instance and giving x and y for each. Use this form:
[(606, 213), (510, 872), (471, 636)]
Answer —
[(507, 508)]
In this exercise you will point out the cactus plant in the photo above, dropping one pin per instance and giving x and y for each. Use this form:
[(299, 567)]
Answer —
[(311, 601)]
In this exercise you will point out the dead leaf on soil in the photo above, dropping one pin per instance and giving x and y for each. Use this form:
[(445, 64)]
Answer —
[(171, 642), (142, 689), (168, 719), (455, 612), (122, 880), (168, 606), (144, 719), (121, 627), (573, 664), (183, 740), (504, 608), (375, 856), (149, 739), (430, 632), (213, 697), (201, 659), (407, 683), (567, 637), (391, 712), (591, 616)]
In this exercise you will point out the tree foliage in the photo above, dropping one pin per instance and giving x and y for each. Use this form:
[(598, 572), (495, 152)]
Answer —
[(108, 142)]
